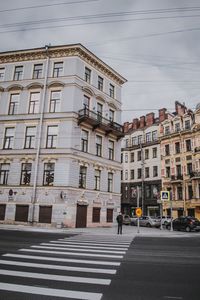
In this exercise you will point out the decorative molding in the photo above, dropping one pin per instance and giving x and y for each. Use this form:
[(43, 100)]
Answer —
[(59, 52)]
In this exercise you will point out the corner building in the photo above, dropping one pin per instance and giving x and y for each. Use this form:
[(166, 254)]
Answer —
[(60, 114)]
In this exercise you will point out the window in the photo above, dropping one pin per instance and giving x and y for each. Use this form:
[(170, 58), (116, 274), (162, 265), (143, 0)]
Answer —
[(189, 168), (2, 73), (18, 73), (188, 145), (111, 150), (4, 172), (52, 133), (34, 103), (100, 83), (82, 177), (167, 130), (58, 69), (111, 115), (134, 140), (148, 191), (99, 111), (55, 101), (132, 157), (178, 170), (139, 155), (132, 174), (187, 124), (168, 173), (190, 192), (154, 135), (177, 147), (96, 214), (146, 154), (87, 75), (179, 193), (26, 174), (154, 152), (126, 143), (139, 173), (126, 175), (139, 139), (148, 137), (86, 102), (177, 127), (112, 91), (30, 137), (48, 177), (126, 158), (110, 182), (155, 171), (97, 178), (37, 71), (147, 172), (84, 141), (14, 103), (167, 152), (98, 145), (9, 138)]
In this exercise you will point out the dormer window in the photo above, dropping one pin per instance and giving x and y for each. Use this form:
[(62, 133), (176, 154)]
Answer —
[(177, 127), (187, 124)]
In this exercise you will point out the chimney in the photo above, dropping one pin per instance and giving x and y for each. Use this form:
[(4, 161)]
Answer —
[(126, 127), (162, 114), (180, 108), (142, 121), (135, 123), (150, 119)]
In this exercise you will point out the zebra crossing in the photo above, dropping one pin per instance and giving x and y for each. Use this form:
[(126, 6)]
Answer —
[(75, 267)]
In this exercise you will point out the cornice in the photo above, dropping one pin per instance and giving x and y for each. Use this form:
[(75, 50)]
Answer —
[(59, 52)]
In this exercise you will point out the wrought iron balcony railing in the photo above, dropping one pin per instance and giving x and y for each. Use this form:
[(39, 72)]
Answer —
[(96, 120)]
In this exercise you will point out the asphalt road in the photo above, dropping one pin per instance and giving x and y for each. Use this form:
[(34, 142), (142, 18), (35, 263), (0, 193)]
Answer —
[(152, 268)]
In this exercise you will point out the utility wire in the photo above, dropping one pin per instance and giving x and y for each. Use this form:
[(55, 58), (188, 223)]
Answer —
[(45, 5)]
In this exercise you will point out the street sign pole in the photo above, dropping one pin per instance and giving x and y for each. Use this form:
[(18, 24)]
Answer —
[(171, 227), (138, 205)]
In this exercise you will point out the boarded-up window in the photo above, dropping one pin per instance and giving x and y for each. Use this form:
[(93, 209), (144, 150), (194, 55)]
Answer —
[(21, 213), (2, 211), (96, 214), (45, 213), (109, 215)]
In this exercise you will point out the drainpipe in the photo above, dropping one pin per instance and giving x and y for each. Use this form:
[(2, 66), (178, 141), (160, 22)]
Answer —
[(34, 198)]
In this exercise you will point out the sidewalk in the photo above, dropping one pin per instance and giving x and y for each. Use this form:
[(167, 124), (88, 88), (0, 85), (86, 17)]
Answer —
[(128, 231)]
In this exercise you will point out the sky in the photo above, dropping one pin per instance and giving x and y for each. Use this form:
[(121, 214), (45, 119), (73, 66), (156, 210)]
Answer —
[(154, 44)]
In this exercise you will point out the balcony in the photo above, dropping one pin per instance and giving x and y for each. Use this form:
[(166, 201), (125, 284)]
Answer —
[(97, 121), (177, 178), (197, 149), (195, 175)]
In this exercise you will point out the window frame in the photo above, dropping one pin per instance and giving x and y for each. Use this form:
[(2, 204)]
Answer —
[(51, 138), (29, 138), (9, 138), (25, 178), (37, 73), (57, 70), (48, 172)]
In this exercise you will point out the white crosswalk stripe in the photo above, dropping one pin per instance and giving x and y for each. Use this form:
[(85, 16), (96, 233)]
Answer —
[(68, 260)]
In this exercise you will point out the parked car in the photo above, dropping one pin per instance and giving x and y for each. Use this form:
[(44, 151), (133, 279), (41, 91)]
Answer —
[(185, 223), (147, 221), (126, 220)]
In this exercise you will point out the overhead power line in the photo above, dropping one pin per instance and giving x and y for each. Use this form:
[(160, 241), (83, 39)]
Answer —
[(45, 5)]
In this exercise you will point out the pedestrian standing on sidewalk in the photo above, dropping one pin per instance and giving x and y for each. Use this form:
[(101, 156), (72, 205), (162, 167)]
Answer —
[(120, 223)]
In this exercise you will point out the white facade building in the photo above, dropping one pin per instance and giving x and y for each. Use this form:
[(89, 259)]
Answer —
[(60, 110)]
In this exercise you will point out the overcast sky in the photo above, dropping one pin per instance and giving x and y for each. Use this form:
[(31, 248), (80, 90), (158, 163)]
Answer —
[(154, 44)]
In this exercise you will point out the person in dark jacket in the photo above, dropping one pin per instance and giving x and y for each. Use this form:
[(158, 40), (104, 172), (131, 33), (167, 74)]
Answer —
[(120, 223)]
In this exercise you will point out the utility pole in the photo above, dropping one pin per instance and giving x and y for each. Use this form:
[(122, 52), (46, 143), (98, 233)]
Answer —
[(142, 175)]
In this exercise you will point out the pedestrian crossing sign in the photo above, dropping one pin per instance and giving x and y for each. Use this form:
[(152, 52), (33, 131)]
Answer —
[(165, 195)]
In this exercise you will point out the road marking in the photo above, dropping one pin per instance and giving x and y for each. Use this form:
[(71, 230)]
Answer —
[(172, 297), (71, 244), (92, 243), (57, 267), (60, 247), (50, 292), (79, 261), (72, 253), (56, 277), (117, 243)]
